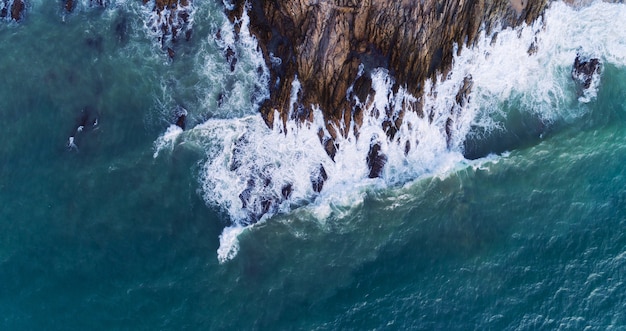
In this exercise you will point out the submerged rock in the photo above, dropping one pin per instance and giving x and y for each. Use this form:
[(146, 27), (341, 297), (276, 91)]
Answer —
[(96, 43), (121, 27), (257, 201), (171, 18), (70, 5), (584, 70), (170, 53), (85, 122)]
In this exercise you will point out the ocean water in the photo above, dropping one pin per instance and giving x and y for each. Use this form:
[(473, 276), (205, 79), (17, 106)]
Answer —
[(514, 222)]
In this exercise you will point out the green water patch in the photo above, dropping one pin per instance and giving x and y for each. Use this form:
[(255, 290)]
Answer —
[(101, 235)]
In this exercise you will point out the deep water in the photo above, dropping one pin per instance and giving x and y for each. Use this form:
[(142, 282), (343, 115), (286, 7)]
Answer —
[(121, 231)]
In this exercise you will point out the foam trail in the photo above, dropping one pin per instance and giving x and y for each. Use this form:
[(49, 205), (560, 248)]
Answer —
[(253, 172), (70, 144), (229, 245), (167, 140)]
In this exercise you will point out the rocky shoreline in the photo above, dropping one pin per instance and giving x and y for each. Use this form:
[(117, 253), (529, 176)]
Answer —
[(329, 49), (326, 43)]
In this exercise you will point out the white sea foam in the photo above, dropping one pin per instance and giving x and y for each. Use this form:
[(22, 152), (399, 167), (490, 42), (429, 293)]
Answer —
[(167, 140), (7, 6), (171, 18), (238, 92), (70, 143), (253, 172), (501, 69), (229, 245)]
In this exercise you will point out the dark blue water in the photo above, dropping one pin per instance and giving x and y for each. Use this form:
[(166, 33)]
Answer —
[(106, 236)]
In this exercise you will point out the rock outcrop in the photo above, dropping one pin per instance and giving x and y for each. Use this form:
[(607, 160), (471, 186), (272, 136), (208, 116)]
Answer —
[(180, 117), (171, 21), (584, 70), (12, 9), (324, 43)]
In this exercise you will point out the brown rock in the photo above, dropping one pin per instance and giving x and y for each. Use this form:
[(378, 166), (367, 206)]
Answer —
[(324, 42), (318, 177), (171, 53), (17, 10), (375, 160), (69, 5), (180, 115)]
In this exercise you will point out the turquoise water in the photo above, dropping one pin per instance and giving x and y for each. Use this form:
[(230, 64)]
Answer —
[(108, 236)]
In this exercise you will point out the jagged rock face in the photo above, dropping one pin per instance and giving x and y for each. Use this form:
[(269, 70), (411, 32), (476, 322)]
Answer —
[(323, 43)]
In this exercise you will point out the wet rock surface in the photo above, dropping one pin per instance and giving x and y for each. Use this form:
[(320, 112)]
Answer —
[(180, 116), (13, 10), (171, 22), (375, 161), (584, 70), (323, 43), (69, 5), (318, 178)]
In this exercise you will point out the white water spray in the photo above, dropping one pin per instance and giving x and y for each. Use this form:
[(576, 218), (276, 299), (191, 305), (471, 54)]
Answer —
[(253, 172)]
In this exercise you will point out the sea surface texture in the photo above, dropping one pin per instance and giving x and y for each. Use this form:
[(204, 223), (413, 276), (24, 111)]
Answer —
[(114, 218)]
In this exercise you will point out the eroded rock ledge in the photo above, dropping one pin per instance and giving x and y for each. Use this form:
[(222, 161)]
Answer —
[(323, 43)]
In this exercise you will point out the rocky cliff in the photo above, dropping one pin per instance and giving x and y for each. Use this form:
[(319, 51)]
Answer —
[(325, 42)]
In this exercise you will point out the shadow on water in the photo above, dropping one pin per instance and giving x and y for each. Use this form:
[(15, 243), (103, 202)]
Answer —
[(519, 130)]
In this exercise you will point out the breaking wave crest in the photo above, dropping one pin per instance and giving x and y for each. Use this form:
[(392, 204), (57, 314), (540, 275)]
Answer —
[(253, 172)]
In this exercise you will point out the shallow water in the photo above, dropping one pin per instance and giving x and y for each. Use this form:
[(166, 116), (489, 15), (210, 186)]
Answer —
[(108, 235)]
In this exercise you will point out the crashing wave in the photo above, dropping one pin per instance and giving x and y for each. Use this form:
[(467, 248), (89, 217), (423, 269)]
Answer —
[(254, 172)]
